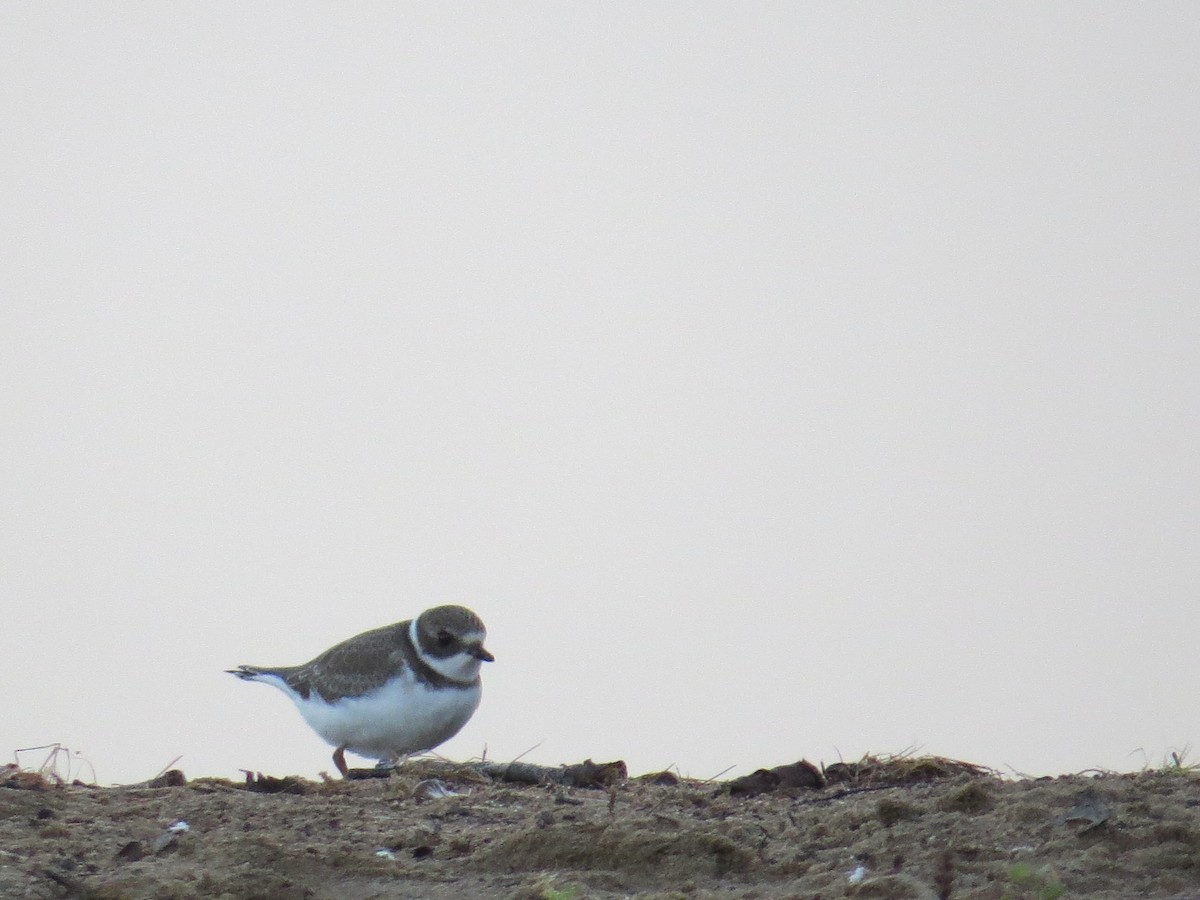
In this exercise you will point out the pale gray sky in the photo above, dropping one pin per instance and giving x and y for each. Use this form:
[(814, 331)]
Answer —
[(776, 380)]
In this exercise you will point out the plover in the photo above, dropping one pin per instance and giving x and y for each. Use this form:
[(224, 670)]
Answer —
[(390, 692)]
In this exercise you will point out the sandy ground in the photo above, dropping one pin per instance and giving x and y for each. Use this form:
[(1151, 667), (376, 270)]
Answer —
[(904, 828)]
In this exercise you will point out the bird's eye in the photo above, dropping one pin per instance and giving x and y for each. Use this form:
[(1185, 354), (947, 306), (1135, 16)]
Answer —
[(445, 639)]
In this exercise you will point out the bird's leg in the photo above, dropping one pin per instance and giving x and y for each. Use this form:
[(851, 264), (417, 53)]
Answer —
[(387, 763), (339, 760)]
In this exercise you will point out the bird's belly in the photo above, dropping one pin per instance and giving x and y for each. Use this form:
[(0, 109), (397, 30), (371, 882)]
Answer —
[(404, 716)]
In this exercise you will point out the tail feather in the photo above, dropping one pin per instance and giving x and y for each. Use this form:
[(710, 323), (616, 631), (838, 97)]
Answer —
[(277, 678), (247, 673)]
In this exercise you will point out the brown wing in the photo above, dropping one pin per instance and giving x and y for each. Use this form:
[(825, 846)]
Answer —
[(355, 666)]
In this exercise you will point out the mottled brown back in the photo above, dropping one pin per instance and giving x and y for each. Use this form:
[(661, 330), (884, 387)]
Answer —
[(358, 665)]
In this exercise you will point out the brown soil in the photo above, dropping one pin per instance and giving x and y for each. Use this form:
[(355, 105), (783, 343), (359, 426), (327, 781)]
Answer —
[(912, 828)]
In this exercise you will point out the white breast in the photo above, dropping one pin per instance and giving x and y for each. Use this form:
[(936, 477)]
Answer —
[(404, 716)]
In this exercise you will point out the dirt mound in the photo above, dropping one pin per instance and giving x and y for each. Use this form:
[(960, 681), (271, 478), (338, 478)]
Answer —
[(884, 828)]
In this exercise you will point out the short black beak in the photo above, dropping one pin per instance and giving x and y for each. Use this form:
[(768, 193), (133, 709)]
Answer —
[(480, 654)]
